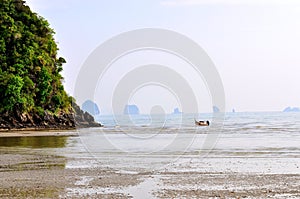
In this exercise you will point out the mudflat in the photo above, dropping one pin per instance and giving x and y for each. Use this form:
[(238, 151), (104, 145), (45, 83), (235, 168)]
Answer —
[(33, 132), (38, 174)]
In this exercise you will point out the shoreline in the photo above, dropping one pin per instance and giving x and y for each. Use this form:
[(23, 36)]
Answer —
[(37, 132)]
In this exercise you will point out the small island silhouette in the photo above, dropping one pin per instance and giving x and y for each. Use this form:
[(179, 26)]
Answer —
[(131, 110), (291, 109), (177, 111), (90, 107)]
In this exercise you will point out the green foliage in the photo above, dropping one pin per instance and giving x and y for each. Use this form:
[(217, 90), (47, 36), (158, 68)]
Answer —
[(39, 110), (10, 88), (30, 79)]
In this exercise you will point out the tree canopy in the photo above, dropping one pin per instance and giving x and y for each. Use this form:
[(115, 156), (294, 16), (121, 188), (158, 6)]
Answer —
[(30, 79)]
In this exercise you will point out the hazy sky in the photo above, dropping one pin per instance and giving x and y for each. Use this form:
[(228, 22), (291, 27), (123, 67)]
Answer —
[(255, 44)]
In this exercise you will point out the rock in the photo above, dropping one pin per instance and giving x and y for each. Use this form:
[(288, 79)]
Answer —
[(216, 109), (84, 119), (131, 110), (75, 118), (88, 117), (90, 107), (176, 111), (291, 109)]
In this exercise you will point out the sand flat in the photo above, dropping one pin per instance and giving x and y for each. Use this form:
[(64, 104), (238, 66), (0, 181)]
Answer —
[(32, 132), (29, 173)]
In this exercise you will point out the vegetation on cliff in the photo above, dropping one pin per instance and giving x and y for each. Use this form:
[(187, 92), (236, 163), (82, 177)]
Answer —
[(30, 69), (30, 79)]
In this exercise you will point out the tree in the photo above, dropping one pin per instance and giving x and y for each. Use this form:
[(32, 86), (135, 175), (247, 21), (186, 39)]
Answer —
[(30, 79)]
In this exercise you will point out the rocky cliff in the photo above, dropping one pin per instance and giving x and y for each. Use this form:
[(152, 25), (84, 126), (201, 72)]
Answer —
[(76, 118)]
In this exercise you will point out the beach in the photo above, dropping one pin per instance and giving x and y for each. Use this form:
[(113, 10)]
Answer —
[(249, 159), (33, 132), (35, 175)]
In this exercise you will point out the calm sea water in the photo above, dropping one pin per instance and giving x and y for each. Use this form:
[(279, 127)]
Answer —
[(143, 140), (269, 134)]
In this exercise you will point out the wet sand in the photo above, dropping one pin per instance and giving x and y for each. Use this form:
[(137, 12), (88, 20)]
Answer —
[(33, 132), (36, 174)]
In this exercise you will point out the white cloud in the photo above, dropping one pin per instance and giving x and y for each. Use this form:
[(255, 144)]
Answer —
[(228, 2)]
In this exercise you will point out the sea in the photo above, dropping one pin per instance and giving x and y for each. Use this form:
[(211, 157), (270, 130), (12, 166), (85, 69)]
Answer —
[(267, 142)]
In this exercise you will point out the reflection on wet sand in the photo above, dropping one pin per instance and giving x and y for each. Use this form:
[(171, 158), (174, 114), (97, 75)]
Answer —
[(34, 142)]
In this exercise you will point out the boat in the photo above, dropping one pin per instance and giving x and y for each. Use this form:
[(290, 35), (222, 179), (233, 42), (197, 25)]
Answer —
[(202, 123)]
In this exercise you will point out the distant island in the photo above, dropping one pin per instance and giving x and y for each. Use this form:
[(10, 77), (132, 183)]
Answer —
[(90, 107), (32, 95), (291, 109), (131, 110), (177, 111), (216, 109)]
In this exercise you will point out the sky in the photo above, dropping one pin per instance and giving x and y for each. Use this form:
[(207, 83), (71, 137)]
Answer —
[(254, 44)]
